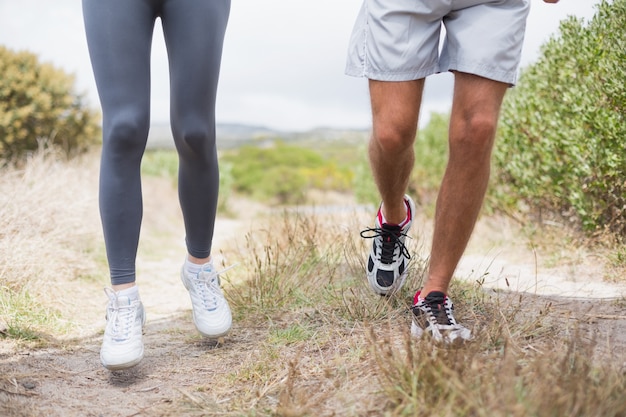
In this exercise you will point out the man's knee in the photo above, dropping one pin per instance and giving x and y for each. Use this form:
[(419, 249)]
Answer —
[(393, 138), (475, 132)]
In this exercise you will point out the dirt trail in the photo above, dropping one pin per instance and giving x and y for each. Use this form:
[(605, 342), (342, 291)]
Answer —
[(67, 379)]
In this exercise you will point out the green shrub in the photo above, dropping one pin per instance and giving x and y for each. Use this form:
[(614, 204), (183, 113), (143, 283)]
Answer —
[(363, 184), (160, 163), (37, 103), (562, 137), (226, 186), (431, 157), (283, 173), (164, 163)]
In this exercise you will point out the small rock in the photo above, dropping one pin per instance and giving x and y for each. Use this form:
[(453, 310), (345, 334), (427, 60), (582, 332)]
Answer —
[(4, 328), (29, 385)]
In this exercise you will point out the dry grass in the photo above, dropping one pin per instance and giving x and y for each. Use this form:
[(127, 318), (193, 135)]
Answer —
[(526, 360), (310, 339), (355, 355), (48, 227)]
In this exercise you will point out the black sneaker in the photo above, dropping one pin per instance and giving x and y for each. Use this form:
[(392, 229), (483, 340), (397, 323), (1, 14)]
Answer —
[(433, 315), (389, 257)]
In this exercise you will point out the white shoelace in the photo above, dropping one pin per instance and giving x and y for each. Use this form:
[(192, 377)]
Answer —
[(208, 287), (120, 318)]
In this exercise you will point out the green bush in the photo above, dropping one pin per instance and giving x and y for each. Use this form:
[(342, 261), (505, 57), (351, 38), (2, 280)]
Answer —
[(160, 163), (431, 158), (37, 103), (363, 184), (164, 163), (562, 137), (283, 173)]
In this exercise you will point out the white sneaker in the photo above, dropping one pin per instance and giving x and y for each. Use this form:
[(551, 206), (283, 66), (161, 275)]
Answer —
[(387, 264), (211, 313), (434, 315), (122, 345)]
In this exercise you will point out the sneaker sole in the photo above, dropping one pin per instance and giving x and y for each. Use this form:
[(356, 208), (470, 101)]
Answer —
[(418, 333), (211, 336), (122, 366)]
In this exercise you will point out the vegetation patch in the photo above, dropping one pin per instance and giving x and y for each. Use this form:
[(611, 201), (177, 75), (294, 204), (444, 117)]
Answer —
[(38, 103), (561, 148), (282, 173)]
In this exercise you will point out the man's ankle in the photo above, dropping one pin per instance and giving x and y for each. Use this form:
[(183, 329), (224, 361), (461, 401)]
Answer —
[(423, 293), (395, 215)]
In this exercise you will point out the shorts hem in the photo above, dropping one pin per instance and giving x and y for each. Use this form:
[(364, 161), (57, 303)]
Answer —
[(503, 76), (389, 75)]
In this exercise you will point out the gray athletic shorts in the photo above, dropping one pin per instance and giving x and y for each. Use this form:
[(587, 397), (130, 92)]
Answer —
[(398, 40)]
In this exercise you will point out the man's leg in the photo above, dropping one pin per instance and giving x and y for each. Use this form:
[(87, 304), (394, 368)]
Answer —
[(473, 121), (395, 112), (395, 108)]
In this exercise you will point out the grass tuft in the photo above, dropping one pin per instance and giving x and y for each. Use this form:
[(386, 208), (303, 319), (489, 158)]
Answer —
[(555, 377), (285, 267)]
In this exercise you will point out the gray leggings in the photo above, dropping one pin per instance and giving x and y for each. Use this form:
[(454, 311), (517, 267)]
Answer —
[(119, 35)]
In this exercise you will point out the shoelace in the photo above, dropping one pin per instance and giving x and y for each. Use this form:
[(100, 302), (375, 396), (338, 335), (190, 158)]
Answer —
[(391, 237), (208, 287), (120, 318), (436, 305)]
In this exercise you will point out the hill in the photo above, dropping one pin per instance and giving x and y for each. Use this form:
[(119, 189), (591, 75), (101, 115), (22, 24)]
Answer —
[(230, 135)]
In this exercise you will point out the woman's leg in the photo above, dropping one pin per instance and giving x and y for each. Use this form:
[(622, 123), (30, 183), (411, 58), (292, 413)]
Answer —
[(194, 34), (119, 35)]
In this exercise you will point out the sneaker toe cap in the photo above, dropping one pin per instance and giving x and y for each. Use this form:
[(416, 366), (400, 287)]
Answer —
[(213, 324), (121, 358), (385, 278)]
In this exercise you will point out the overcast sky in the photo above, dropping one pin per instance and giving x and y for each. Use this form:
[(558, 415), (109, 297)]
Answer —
[(283, 60)]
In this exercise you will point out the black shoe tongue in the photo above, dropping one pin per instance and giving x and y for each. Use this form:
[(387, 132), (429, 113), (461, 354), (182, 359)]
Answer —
[(392, 227), (436, 300), (391, 233), (435, 297)]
